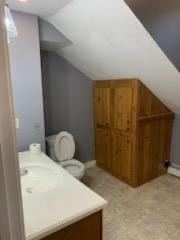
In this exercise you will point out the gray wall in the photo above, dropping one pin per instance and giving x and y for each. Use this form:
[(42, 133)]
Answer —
[(27, 80), (68, 103), (162, 19), (175, 151), (51, 39), (49, 33)]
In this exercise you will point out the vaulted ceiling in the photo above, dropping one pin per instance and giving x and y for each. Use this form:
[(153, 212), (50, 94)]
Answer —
[(109, 42)]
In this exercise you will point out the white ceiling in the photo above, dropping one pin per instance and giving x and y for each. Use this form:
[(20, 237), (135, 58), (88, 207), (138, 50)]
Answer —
[(38, 7), (110, 42)]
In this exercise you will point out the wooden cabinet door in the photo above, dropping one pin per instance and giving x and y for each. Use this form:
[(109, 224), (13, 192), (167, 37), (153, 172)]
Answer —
[(122, 108), (86, 229), (154, 148), (151, 151), (121, 155), (102, 106), (89, 228), (103, 153)]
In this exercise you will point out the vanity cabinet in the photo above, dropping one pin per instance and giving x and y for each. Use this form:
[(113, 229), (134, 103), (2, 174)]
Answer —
[(132, 130), (86, 229)]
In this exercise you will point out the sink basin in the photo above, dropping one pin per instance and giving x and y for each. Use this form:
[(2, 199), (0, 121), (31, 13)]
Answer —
[(39, 179)]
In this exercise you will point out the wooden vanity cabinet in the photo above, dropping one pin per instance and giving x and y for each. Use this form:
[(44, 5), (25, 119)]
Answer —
[(86, 229), (132, 130)]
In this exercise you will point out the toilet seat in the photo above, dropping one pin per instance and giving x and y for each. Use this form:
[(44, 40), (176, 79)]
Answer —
[(64, 149), (64, 146), (74, 167)]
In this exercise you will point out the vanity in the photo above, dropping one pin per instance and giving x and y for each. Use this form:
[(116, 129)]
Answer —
[(56, 205)]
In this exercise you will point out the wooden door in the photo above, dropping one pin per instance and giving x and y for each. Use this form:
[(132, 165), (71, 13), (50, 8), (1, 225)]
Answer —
[(103, 154), (102, 106), (154, 147), (121, 155), (145, 156), (122, 108), (154, 144)]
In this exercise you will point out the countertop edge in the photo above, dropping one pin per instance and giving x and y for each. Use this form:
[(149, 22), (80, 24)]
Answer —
[(59, 226)]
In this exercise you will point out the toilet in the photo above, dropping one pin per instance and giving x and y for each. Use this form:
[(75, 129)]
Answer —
[(61, 148)]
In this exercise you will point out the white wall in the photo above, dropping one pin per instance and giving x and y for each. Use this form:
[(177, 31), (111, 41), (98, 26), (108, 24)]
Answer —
[(110, 42), (27, 81)]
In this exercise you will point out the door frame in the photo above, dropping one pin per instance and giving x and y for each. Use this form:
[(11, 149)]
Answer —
[(11, 211)]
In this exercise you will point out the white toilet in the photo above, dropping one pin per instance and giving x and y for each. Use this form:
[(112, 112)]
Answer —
[(62, 149)]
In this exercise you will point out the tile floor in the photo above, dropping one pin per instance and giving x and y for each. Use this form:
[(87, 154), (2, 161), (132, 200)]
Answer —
[(150, 212)]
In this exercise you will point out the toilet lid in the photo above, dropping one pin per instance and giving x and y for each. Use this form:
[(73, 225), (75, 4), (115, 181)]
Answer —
[(64, 146)]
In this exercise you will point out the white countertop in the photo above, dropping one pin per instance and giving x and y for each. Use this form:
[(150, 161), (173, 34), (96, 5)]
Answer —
[(69, 202)]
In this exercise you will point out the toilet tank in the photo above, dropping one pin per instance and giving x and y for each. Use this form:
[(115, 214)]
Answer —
[(50, 146)]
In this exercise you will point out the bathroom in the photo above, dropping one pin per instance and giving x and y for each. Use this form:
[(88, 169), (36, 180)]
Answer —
[(81, 194), (60, 82)]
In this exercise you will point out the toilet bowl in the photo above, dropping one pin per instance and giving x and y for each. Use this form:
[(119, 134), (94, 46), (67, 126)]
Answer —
[(61, 149)]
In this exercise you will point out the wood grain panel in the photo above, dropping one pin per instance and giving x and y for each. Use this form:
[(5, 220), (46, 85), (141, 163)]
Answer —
[(154, 147), (139, 133), (149, 104), (55, 236), (144, 153), (122, 108), (87, 229), (103, 148), (157, 106), (102, 106), (121, 155), (144, 101)]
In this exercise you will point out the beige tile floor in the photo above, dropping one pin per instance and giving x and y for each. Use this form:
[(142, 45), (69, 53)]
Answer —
[(150, 212)]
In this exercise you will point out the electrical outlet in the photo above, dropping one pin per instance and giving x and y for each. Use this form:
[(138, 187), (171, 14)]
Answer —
[(17, 123)]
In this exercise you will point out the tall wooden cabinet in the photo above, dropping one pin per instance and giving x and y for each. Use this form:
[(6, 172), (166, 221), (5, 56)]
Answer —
[(132, 130)]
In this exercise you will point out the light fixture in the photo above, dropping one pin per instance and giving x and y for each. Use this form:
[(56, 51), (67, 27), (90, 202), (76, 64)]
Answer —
[(10, 25)]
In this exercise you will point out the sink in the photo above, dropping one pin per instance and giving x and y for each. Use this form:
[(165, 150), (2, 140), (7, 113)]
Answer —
[(39, 179)]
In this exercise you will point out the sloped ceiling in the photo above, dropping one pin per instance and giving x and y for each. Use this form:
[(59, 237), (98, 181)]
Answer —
[(109, 42)]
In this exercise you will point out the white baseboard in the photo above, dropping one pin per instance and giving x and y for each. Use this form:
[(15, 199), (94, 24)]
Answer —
[(174, 171), (90, 164)]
